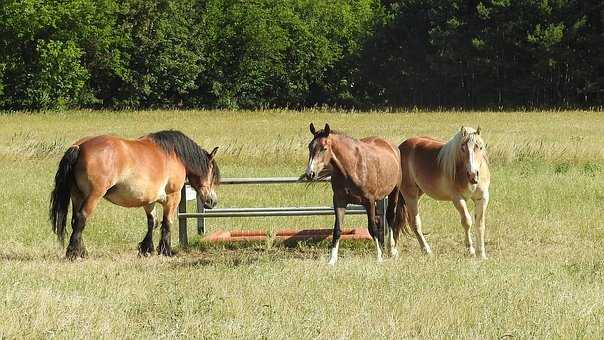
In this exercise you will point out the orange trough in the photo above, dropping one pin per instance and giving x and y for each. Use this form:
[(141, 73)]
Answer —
[(287, 235)]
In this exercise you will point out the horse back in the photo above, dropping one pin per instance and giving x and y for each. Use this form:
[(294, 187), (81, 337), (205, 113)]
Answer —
[(110, 164), (419, 165), (380, 144), (381, 161)]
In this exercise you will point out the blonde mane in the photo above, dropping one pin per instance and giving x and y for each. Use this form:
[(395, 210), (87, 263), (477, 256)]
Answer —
[(450, 152)]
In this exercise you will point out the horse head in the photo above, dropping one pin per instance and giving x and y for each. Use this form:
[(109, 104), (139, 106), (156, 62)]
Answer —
[(472, 152), (206, 184), (319, 152)]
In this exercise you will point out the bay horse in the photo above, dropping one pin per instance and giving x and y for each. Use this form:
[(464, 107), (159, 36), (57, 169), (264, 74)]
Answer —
[(455, 171), (130, 173), (362, 172)]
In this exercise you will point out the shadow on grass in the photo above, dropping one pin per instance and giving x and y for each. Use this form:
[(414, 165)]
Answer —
[(247, 253)]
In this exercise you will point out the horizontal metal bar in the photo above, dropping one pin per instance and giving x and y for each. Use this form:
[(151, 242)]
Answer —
[(268, 213), (237, 210), (268, 180)]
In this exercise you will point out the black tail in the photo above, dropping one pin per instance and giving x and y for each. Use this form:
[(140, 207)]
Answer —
[(400, 216), (61, 194)]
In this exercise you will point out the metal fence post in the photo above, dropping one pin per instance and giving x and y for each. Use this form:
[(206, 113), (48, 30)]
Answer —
[(383, 207), (201, 222), (182, 221)]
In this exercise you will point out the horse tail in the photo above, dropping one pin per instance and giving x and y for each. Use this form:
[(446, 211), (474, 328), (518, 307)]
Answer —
[(61, 194), (400, 220)]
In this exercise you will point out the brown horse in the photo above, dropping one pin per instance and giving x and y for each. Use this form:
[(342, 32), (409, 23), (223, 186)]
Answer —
[(454, 171), (362, 172), (130, 173)]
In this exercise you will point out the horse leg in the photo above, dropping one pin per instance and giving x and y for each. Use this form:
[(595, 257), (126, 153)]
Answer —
[(416, 222), (378, 237), (170, 207), (391, 218), (481, 207), (466, 222), (82, 209), (339, 207), (145, 248)]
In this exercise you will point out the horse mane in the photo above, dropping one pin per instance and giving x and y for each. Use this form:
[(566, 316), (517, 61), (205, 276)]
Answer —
[(450, 153), (195, 159), (322, 134)]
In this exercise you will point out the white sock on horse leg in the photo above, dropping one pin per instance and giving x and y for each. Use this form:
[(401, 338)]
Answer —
[(334, 253)]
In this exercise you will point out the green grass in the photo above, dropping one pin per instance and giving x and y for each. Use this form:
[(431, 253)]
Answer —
[(545, 238)]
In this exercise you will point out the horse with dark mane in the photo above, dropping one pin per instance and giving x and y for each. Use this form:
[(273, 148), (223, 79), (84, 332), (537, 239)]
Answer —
[(130, 173), (362, 172)]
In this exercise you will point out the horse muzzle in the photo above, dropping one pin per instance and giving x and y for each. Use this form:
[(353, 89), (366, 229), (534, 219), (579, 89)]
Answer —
[(473, 177), (311, 175), (211, 201), (210, 204)]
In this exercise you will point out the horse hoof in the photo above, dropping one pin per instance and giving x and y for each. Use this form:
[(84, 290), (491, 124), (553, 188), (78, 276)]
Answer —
[(165, 252), (145, 250), (145, 253), (394, 253), (75, 254)]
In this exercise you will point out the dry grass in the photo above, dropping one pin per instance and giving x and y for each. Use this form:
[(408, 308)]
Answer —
[(545, 232)]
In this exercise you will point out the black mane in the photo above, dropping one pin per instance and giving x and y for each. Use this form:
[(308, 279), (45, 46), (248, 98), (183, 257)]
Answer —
[(322, 134), (195, 159)]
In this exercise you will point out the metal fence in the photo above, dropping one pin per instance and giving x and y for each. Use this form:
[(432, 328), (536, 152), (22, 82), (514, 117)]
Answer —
[(201, 214)]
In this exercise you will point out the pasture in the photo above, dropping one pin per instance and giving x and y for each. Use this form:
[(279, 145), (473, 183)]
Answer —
[(545, 238)]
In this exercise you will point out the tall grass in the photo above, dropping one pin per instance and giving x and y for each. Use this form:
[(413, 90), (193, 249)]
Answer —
[(545, 238)]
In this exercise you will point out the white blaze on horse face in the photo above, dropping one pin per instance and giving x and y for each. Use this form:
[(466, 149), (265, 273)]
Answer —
[(472, 165), (315, 165), (310, 167)]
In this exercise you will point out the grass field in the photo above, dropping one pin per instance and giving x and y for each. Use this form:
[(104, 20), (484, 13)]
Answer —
[(545, 238)]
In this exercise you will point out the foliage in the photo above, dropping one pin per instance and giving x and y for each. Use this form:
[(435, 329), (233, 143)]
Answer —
[(300, 53)]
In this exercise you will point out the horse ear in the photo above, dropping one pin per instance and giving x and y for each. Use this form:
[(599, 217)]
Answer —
[(327, 129), (463, 131), (213, 153), (312, 129), (478, 130)]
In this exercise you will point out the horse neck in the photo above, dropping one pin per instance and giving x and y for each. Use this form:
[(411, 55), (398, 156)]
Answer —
[(191, 176), (344, 158)]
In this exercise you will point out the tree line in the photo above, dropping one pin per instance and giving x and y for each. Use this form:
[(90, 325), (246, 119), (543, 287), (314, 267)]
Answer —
[(301, 53)]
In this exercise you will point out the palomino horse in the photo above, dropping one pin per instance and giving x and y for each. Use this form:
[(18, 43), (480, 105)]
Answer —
[(130, 173), (455, 171), (362, 172)]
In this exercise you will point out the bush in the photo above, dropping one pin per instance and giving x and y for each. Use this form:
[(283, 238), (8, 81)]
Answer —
[(60, 79), (282, 52), (297, 53)]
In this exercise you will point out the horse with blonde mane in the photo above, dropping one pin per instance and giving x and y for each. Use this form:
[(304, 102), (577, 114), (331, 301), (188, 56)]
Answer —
[(455, 171)]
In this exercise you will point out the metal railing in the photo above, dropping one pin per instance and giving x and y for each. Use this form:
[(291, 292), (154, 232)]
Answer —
[(201, 214)]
